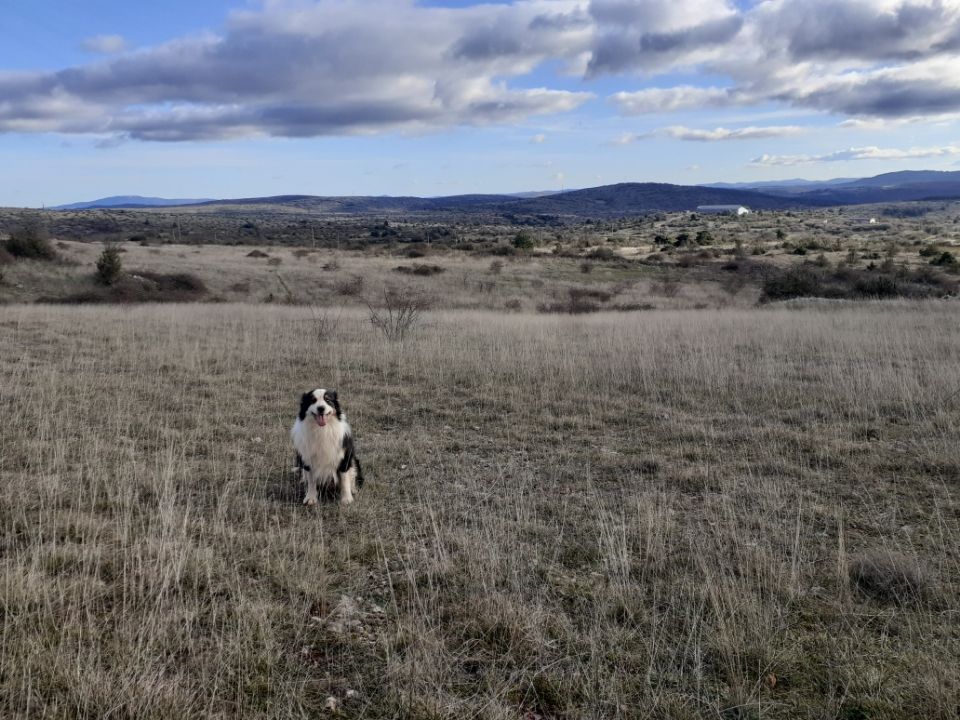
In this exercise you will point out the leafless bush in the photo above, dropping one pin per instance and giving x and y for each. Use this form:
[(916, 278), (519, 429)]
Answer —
[(667, 288), (30, 240), (326, 322), (398, 311), (424, 270), (351, 286), (579, 300)]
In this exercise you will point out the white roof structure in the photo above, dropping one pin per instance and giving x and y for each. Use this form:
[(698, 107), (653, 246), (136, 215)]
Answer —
[(723, 209)]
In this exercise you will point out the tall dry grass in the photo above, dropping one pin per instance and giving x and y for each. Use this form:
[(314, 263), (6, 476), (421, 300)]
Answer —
[(663, 515)]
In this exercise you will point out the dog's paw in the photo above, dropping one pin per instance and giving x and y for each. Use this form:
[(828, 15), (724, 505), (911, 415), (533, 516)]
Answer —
[(346, 499), (310, 500)]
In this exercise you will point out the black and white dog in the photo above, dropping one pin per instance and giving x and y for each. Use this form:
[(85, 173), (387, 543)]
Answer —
[(324, 443)]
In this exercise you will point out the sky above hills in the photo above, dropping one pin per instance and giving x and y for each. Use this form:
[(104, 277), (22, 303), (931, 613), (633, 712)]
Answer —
[(227, 98)]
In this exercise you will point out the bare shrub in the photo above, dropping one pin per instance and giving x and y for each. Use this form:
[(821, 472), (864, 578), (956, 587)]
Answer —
[(30, 241), (667, 287), (733, 284), (496, 267), (578, 301), (326, 323), (398, 311), (889, 577), (603, 253), (632, 307), (351, 286), (420, 269), (140, 287), (582, 293)]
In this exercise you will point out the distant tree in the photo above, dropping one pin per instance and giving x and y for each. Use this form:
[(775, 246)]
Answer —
[(704, 238), (109, 266), (683, 239), (523, 240)]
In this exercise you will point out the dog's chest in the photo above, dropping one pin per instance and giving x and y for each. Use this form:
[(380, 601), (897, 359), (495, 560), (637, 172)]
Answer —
[(321, 448)]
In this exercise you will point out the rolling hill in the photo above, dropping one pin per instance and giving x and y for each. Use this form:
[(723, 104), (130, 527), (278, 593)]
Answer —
[(597, 202), (605, 201)]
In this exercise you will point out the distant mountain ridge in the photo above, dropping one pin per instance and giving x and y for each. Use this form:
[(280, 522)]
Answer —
[(597, 202), (129, 201), (901, 186)]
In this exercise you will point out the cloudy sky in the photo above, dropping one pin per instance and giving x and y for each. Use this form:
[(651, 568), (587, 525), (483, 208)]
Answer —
[(232, 98)]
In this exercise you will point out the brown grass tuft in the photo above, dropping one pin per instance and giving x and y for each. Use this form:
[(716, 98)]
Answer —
[(889, 577)]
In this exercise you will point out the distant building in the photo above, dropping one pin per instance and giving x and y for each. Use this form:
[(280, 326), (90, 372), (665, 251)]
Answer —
[(723, 210), (863, 221)]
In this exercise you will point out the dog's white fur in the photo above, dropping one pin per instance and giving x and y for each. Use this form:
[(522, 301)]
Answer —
[(322, 449)]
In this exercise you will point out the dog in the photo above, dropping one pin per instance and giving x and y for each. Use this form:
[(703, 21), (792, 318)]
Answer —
[(325, 452)]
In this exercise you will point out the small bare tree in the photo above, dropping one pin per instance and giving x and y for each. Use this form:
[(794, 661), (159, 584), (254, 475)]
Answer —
[(398, 312), (326, 323)]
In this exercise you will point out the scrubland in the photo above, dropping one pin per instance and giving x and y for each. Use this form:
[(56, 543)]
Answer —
[(715, 513)]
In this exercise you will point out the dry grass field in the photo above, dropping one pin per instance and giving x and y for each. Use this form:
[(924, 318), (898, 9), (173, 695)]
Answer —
[(331, 278), (724, 513)]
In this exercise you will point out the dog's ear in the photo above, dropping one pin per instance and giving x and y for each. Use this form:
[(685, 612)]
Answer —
[(331, 397), (306, 400)]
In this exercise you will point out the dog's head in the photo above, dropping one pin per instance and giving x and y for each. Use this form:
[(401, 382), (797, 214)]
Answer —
[(321, 405)]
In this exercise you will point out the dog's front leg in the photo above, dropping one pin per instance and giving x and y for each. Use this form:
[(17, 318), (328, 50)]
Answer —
[(346, 486), (311, 497)]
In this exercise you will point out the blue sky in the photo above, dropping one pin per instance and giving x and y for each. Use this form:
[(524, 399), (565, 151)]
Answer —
[(221, 98)]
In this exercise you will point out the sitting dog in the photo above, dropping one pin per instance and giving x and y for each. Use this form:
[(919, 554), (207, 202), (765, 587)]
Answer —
[(324, 444)]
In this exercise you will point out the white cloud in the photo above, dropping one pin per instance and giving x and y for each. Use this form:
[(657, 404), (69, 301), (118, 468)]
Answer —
[(866, 59), (628, 138), (298, 68), (679, 132), (862, 153), (748, 133), (664, 100), (104, 44)]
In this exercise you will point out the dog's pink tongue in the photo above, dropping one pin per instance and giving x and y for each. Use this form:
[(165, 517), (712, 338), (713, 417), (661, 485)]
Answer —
[(321, 420)]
